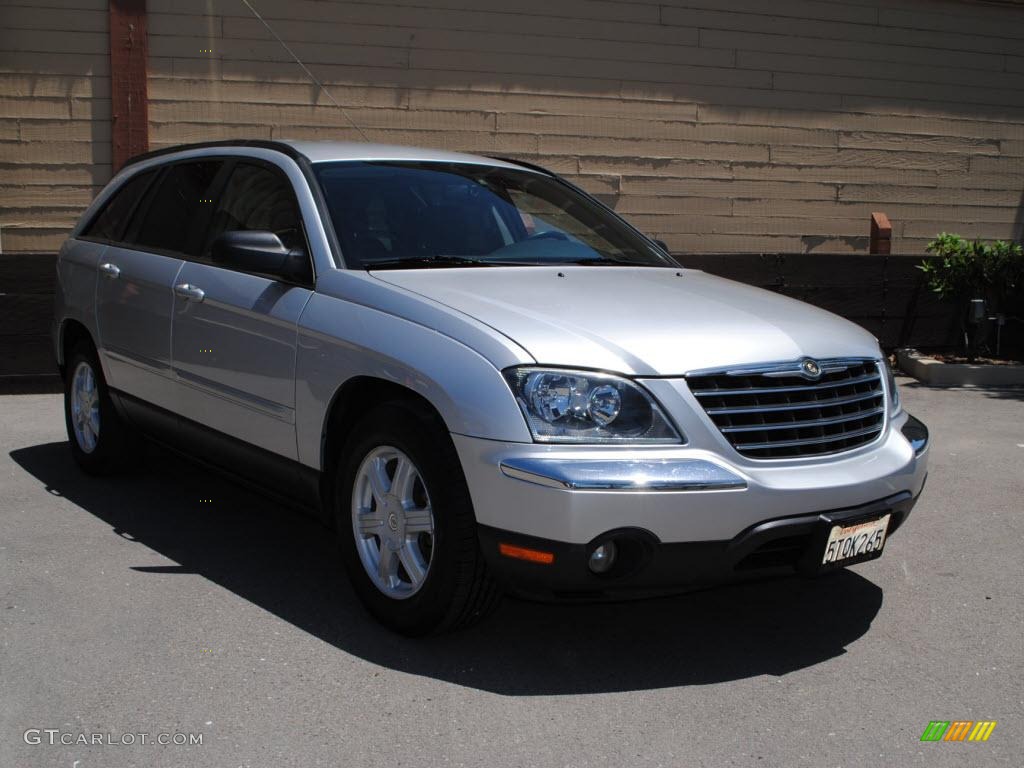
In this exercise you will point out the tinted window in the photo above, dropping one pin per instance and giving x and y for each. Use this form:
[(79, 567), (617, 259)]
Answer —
[(110, 224), (392, 214), (256, 198), (182, 197)]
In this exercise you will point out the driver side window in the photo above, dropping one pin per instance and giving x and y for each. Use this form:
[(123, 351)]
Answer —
[(256, 198)]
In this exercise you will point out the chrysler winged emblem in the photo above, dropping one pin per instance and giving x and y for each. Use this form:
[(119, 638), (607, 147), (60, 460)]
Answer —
[(810, 369)]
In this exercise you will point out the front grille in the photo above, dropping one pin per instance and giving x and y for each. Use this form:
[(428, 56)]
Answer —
[(777, 412)]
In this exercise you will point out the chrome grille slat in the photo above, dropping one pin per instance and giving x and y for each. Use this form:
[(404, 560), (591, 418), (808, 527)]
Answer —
[(794, 443), (778, 415), (766, 390), (804, 424), (795, 406)]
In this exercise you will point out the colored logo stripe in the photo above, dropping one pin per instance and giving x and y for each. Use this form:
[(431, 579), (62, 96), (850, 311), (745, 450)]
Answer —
[(958, 730), (982, 730)]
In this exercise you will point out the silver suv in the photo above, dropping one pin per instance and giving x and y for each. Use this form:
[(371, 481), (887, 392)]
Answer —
[(479, 376)]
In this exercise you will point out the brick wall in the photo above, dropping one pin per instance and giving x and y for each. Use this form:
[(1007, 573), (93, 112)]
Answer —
[(717, 125)]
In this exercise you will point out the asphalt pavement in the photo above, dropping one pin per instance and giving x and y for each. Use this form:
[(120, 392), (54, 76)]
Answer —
[(172, 605)]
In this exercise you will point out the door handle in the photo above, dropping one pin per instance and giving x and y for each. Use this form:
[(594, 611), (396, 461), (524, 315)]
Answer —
[(110, 270), (189, 292)]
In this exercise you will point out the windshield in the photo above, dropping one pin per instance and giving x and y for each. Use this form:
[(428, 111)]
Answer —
[(402, 215)]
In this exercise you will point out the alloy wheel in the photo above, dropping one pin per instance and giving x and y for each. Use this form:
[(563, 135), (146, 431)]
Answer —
[(392, 522), (85, 407)]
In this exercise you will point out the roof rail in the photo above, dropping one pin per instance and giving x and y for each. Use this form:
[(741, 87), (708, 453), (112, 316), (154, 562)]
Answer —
[(524, 164), (278, 146)]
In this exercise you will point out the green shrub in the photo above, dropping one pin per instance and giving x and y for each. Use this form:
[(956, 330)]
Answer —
[(974, 270), (965, 270)]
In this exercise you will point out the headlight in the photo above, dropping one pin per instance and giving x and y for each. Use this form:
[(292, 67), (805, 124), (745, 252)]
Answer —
[(894, 393), (585, 407)]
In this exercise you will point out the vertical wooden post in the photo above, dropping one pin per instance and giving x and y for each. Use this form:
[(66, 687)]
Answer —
[(881, 234), (129, 96)]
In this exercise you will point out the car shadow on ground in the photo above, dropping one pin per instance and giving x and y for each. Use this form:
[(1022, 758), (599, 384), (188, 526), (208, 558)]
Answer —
[(286, 563)]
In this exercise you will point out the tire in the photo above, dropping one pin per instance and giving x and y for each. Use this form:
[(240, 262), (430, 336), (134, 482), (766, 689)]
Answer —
[(454, 589), (102, 443)]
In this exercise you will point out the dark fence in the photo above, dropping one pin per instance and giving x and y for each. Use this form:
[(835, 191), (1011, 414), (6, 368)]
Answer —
[(26, 308), (884, 294)]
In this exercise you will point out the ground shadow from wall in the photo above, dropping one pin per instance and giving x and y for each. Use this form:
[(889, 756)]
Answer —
[(996, 393), (283, 562)]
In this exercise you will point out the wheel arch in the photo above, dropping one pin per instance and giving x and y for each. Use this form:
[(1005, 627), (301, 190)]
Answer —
[(353, 399), (71, 332)]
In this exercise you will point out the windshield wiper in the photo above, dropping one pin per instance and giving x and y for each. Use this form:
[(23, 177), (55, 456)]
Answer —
[(426, 261), (592, 263), (449, 260)]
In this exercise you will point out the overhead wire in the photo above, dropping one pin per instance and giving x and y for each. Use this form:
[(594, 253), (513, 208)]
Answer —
[(305, 69)]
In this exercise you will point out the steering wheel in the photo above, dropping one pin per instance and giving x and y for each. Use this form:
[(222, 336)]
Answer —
[(551, 234)]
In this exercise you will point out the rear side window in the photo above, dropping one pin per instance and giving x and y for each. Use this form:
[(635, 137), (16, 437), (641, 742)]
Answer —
[(256, 198), (177, 205), (111, 222)]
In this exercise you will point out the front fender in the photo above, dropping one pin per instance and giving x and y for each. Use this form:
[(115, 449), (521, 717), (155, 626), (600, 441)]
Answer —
[(339, 340)]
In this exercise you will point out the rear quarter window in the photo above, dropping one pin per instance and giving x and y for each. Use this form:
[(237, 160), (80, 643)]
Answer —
[(111, 222)]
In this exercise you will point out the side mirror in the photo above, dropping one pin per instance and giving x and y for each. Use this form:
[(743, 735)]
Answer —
[(661, 244), (258, 251)]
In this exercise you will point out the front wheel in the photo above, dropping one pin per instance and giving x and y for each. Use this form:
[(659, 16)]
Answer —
[(406, 524)]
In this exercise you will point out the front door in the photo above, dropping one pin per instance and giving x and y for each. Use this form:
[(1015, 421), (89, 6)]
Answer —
[(234, 333)]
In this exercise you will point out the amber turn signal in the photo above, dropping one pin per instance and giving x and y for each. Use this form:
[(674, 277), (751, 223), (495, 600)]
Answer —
[(522, 553)]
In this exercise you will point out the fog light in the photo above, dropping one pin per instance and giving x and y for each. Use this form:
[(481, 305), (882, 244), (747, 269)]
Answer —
[(603, 557)]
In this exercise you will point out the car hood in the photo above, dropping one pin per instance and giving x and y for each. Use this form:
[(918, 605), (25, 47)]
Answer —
[(638, 320)]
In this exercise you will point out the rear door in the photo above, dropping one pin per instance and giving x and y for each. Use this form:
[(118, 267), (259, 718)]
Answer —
[(234, 333), (156, 212)]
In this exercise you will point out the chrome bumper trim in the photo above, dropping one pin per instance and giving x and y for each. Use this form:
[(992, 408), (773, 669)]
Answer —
[(623, 475)]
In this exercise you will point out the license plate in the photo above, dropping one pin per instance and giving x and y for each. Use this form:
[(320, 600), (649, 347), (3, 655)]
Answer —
[(855, 541)]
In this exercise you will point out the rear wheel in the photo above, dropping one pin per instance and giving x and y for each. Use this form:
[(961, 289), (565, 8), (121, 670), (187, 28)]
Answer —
[(101, 441), (406, 524)]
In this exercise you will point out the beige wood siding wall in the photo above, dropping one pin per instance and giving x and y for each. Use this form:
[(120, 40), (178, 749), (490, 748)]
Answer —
[(717, 125), (54, 117)]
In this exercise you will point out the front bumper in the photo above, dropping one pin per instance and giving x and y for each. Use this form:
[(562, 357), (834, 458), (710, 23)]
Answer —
[(645, 566), (697, 515)]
